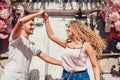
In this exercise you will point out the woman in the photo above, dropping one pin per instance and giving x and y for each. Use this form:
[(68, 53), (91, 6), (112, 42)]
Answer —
[(79, 45)]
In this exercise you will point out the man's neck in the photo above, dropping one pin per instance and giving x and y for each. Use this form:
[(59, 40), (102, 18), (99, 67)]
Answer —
[(25, 35)]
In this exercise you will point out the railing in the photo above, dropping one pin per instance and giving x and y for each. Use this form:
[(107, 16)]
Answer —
[(60, 8), (60, 4)]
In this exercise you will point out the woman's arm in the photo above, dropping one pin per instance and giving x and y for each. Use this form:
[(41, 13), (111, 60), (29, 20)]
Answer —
[(94, 62), (49, 59), (50, 32), (18, 27)]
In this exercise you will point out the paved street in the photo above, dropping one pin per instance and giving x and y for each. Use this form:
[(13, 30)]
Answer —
[(3, 61)]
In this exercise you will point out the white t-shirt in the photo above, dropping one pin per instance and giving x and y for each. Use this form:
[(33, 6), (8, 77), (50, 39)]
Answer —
[(74, 59), (20, 54)]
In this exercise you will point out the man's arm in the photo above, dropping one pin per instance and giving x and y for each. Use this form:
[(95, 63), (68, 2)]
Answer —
[(49, 59), (18, 27)]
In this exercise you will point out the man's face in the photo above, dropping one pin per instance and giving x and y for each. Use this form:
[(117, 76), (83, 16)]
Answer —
[(29, 27)]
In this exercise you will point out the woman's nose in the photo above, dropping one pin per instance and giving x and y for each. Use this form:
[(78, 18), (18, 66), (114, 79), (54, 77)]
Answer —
[(66, 29)]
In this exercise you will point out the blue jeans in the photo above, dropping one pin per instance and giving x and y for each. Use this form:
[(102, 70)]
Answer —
[(80, 75)]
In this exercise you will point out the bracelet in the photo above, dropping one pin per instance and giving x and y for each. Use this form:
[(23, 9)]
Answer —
[(47, 21), (47, 18)]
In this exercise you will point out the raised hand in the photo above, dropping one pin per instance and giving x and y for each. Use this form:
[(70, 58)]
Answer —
[(45, 16), (41, 12)]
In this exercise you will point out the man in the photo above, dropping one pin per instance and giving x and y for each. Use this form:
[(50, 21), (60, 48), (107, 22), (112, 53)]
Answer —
[(21, 50)]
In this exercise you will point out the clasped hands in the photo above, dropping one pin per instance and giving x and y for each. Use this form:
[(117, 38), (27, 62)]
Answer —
[(43, 14)]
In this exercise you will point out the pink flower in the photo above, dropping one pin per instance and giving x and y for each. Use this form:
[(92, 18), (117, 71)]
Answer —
[(94, 14), (115, 8), (4, 14), (2, 5), (3, 28), (114, 16), (116, 2), (117, 25), (20, 10), (2, 36), (2, 24)]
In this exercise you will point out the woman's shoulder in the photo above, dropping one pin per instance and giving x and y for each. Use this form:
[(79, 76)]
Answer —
[(87, 45)]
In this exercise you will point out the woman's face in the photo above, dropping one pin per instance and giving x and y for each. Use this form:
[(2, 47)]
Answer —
[(69, 31), (29, 27)]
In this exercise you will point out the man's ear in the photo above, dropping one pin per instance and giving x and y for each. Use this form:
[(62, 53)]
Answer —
[(23, 26)]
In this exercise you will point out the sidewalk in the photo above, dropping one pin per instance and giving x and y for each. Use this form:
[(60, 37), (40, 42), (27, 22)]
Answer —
[(3, 61)]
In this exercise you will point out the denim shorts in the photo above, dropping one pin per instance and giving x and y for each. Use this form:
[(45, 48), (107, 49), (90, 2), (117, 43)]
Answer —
[(80, 75)]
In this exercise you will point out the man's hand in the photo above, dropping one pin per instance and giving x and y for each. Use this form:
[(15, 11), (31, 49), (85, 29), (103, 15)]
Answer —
[(41, 12)]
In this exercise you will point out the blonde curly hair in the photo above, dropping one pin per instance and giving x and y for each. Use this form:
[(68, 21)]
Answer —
[(82, 32)]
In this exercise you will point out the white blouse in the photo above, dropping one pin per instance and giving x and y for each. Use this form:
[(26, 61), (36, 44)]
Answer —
[(74, 59)]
